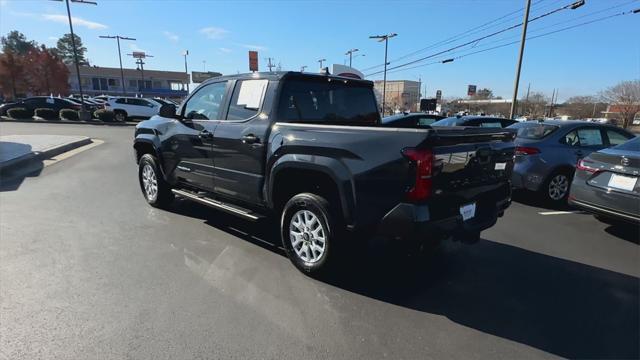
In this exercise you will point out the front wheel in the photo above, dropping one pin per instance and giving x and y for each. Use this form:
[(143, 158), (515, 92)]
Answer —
[(120, 116), (309, 231), (156, 191)]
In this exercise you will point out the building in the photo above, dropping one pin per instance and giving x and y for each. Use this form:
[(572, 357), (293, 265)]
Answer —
[(619, 111), (402, 95), (98, 80)]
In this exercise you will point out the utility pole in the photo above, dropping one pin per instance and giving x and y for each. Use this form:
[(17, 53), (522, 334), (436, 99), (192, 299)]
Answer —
[(118, 38), (73, 45), (350, 53), (553, 94), (186, 71), (593, 114), (526, 100), (525, 22), (140, 63), (270, 65), (384, 38), (321, 61), (302, 68), (204, 65)]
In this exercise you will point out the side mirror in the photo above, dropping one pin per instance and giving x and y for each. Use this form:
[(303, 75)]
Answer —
[(168, 111)]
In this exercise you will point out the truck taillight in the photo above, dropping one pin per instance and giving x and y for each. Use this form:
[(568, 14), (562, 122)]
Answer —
[(422, 159)]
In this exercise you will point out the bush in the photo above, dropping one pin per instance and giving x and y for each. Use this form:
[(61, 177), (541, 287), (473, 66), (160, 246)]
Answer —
[(104, 115), (46, 113), (19, 113), (68, 114)]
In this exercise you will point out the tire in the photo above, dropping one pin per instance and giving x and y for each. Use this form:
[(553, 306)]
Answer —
[(120, 115), (310, 232), (154, 188), (556, 188)]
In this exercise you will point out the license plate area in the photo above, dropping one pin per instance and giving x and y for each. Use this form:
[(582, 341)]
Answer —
[(468, 211), (622, 182)]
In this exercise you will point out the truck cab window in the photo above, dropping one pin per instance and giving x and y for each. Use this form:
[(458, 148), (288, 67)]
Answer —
[(206, 103)]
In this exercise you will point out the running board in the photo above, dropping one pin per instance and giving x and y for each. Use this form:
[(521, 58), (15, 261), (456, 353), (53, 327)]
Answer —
[(231, 209)]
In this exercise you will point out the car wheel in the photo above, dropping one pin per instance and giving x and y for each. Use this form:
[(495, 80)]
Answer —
[(557, 186), (155, 189), (120, 116), (309, 231)]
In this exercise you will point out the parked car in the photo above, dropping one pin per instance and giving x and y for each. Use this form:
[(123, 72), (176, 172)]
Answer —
[(547, 153), (473, 120), (309, 150), (89, 105), (36, 102), (132, 107), (606, 183), (410, 120)]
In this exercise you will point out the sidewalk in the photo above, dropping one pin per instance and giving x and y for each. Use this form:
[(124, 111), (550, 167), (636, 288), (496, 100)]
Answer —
[(18, 150)]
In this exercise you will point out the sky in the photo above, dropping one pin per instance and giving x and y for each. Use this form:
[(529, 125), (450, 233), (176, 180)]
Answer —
[(218, 35)]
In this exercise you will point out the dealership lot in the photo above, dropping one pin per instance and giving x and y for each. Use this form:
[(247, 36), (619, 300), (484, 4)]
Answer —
[(89, 270)]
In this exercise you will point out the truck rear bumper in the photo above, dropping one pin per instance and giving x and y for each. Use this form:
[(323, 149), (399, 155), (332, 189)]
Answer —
[(414, 221)]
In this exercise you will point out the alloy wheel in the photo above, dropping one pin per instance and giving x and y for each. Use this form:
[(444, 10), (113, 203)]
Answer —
[(149, 182), (558, 187), (307, 236)]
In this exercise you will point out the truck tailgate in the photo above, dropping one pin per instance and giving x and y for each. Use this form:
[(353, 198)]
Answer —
[(471, 165)]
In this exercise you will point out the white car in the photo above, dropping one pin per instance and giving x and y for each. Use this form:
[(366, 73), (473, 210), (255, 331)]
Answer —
[(132, 107)]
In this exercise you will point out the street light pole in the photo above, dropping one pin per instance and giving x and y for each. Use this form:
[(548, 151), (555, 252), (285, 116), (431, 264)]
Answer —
[(384, 38), (186, 52), (350, 53), (321, 61), (118, 37), (302, 68)]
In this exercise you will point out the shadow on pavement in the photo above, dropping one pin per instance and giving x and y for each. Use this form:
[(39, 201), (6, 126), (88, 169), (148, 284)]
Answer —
[(626, 232), (12, 178), (562, 307), (535, 199)]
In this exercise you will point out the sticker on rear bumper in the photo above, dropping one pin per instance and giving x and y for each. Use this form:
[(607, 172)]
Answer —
[(468, 211), (501, 166)]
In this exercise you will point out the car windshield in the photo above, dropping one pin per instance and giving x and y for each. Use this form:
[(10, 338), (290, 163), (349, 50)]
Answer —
[(450, 121), (533, 130), (631, 145), (328, 101)]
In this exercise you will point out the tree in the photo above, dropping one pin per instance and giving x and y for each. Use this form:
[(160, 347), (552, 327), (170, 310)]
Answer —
[(625, 96), (12, 78), (535, 106), (582, 107), (16, 43), (46, 73), (64, 49)]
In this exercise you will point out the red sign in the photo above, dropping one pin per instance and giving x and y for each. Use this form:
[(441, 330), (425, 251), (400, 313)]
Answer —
[(253, 61), (471, 90), (139, 55)]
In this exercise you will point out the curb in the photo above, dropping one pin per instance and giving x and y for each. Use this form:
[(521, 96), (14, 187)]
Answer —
[(25, 159), (71, 122)]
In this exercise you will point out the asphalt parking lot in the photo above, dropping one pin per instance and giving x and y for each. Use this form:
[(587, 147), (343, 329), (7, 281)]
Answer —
[(89, 270)]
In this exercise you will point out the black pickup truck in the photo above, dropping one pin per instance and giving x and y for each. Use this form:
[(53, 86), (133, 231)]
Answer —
[(309, 149)]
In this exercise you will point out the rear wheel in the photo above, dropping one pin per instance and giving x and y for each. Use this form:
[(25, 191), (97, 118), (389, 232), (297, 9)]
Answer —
[(309, 231), (556, 188), (120, 115), (156, 191)]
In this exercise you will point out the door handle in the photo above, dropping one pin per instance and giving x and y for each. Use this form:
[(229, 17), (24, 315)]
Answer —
[(204, 134), (250, 139)]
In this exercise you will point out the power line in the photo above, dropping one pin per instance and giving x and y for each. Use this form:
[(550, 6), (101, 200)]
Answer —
[(628, 12), (480, 38), (480, 28)]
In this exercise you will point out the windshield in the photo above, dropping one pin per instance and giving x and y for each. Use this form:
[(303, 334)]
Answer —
[(328, 101), (533, 130)]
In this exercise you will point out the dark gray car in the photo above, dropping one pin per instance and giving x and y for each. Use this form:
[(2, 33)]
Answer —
[(547, 153), (606, 183)]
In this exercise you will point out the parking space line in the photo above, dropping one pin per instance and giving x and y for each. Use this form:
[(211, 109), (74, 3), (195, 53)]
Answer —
[(545, 213)]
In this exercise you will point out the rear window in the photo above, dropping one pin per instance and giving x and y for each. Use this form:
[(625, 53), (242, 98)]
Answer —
[(328, 101), (631, 145), (533, 131)]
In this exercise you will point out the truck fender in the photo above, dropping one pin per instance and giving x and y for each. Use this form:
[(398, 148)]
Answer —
[(333, 168)]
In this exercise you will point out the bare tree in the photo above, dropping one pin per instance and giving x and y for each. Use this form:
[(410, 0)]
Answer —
[(582, 107), (625, 97)]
